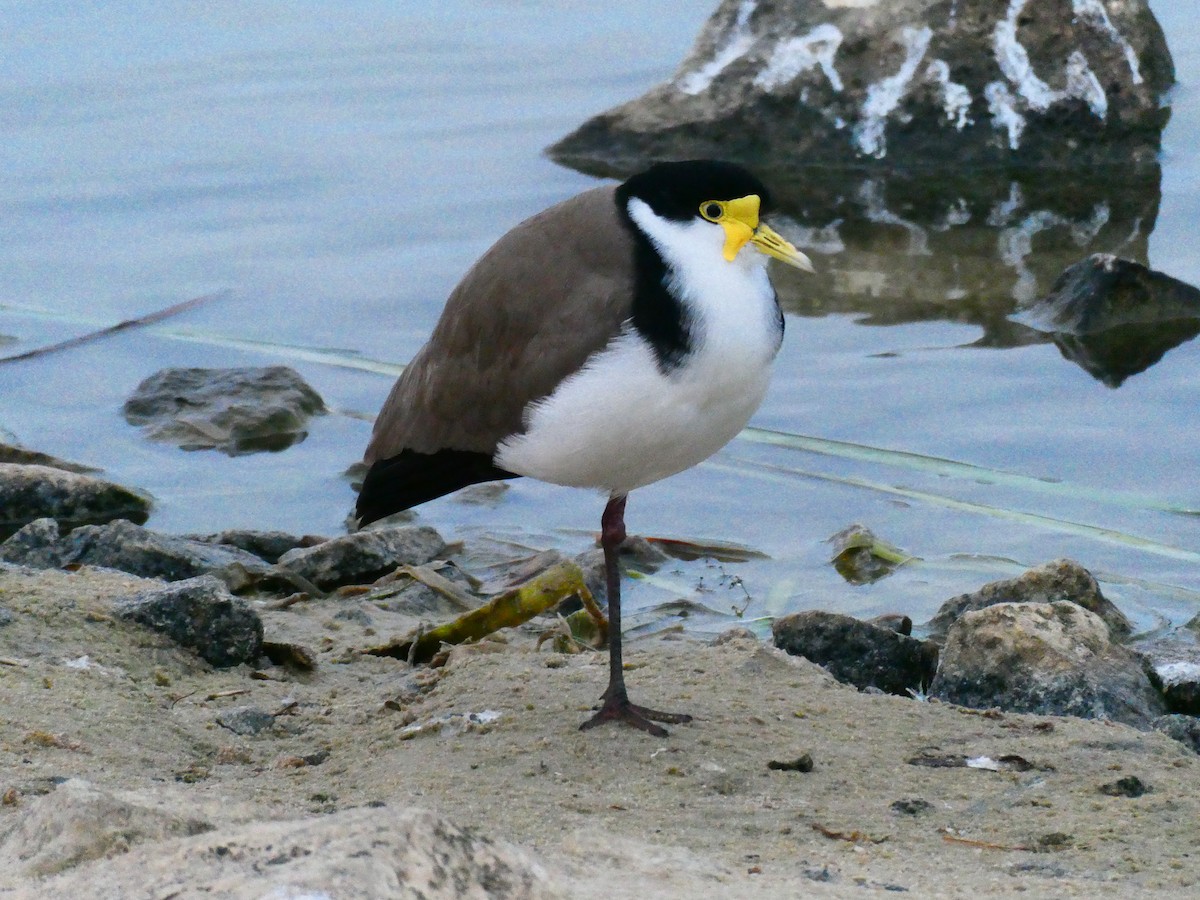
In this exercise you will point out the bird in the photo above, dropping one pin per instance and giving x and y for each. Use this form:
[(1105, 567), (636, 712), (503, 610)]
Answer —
[(617, 338)]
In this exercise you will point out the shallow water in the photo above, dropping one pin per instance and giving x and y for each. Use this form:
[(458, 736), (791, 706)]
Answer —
[(337, 173)]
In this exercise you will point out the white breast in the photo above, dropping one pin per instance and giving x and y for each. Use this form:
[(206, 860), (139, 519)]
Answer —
[(621, 421)]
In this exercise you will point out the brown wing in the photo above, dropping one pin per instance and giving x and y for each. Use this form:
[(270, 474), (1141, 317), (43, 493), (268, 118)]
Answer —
[(546, 296)]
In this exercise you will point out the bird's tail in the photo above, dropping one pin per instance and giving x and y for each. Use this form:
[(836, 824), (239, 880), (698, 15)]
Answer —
[(410, 478)]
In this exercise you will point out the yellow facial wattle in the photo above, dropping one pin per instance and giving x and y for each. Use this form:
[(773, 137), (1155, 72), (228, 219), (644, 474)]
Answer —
[(740, 219)]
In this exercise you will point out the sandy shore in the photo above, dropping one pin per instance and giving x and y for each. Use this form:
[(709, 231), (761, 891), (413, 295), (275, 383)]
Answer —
[(611, 812)]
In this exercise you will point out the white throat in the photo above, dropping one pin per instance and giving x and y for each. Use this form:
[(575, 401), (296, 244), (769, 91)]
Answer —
[(731, 303)]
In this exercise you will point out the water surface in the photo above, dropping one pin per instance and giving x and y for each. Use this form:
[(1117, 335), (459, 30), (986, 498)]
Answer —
[(336, 172)]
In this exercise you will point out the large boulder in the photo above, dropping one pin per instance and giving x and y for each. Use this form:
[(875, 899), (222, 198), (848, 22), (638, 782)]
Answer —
[(78, 822), (863, 654), (30, 492), (949, 224), (236, 411), (906, 84), (1048, 658), (1060, 579), (364, 852)]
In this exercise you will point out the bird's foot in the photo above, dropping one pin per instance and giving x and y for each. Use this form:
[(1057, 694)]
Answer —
[(619, 709)]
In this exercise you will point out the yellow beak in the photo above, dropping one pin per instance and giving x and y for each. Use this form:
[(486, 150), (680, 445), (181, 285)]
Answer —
[(768, 241), (742, 227)]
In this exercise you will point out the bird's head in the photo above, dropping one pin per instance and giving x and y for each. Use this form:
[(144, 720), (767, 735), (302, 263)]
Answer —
[(700, 191)]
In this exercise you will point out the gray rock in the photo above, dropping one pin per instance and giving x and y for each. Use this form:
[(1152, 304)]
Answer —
[(246, 720), (10, 453), (30, 492), (897, 622), (414, 598), (1047, 658), (236, 411), (1175, 662), (364, 556), (37, 545), (489, 493), (904, 85), (6, 617), (1103, 292), (266, 545), (78, 822), (1061, 579), (130, 548), (858, 653), (1185, 729), (199, 614), (1116, 317)]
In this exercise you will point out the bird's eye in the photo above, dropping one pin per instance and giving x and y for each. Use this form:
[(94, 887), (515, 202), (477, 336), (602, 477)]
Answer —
[(711, 210)]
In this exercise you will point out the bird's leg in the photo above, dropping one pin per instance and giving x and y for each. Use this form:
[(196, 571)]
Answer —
[(615, 705)]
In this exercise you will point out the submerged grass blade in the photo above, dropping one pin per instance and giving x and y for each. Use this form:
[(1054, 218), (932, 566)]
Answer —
[(126, 325), (1107, 535), (936, 465), (345, 359)]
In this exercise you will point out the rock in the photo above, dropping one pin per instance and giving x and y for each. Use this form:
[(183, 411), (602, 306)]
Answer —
[(862, 558), (266, 545), (364, 556), (1185, 729), (802, 763), (78, 822), (30, 492), (37, 545), (10, 453), (366, 852), (6, 617), (897, 622), (199, 614), (858, 653), (907, 84), (1175, 662), (911, 806), (1103, 292), (130, 548), (1047, 658), (1129, 786), (489, 493), (1115, 317), (236, 411), (401, 594), (1061, 579), (246, 720)]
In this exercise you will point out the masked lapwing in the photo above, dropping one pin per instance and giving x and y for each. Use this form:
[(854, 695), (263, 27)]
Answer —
[(608, 342)]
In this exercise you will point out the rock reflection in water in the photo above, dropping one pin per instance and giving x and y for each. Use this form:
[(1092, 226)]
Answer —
[(1115, 317), (979, 250)]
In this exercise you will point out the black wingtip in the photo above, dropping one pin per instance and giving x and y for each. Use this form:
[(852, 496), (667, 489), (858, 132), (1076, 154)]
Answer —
[(410, 479)]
